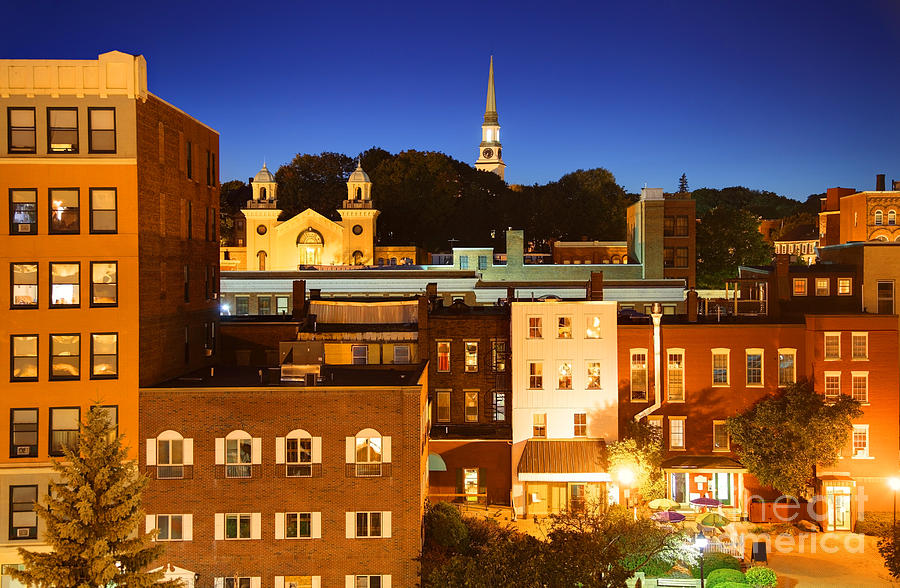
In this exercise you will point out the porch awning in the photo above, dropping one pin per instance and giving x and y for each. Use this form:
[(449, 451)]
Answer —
[(436, 463), (701, 462), (563, 460)]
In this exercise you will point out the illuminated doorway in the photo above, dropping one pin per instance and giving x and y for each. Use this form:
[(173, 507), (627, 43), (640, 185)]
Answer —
[(310, 245)]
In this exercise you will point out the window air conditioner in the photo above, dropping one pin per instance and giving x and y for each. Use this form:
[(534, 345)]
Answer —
[(25, 532)]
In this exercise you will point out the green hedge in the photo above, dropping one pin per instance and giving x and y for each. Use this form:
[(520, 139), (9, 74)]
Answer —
[(716, 561), (761, 577), (725, 576)]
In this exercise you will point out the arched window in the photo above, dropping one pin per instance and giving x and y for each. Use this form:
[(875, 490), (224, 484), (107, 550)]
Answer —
[(262, 193), (357, 257), (170, 452), (299, 451), (892, 217), (261, 257), (368, 452), (393, 261), (238, 454), (881, 238), (310, 243), (359, 193), (879, 217)]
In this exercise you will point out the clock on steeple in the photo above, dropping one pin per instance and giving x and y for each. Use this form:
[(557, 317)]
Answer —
[(489, 150)]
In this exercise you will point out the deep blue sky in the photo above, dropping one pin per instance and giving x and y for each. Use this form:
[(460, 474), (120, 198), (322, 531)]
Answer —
[(790, 96)]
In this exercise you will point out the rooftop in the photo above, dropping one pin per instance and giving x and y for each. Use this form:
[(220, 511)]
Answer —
[(332, 377)]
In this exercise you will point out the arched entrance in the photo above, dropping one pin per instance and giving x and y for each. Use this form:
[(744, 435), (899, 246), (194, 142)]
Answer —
[(310, 245)]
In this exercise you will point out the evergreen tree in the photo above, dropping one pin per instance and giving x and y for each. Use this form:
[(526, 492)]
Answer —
[(92, 518), (682, 184)]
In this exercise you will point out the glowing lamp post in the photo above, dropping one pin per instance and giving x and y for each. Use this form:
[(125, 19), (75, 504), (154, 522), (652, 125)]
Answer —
[(700, 541), (626, 478), (895, 485)]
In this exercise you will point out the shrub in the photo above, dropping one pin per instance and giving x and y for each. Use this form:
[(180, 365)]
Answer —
[(678, 574), (725, 575), (444, 527), (732, 585), (716, 561), (656, 567), (761, 577), (877, 524)]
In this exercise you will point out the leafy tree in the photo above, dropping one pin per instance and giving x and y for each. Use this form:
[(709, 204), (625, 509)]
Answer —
[(640, 450), (762, 203), (93, 518), (233, 196), (889, 548), (782, 438), (683, 184), (798, 220), (726, 239), (314, 181)]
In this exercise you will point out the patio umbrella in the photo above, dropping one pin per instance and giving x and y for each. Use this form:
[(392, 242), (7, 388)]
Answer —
[(668, 516), (712, 519), (704, 501), (662, 503)]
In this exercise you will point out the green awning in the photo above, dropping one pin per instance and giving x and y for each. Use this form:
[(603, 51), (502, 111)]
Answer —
[(436, 463)]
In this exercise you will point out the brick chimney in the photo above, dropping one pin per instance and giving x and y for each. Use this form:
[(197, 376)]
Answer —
[(879, 183), (693, 300), (298, 312), (595, 286)]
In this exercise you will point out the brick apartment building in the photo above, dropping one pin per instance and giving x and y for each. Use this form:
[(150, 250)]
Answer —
[(109, 188), (288, 484)]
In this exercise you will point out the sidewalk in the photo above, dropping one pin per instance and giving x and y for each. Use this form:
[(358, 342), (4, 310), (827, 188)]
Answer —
[(820, 560)]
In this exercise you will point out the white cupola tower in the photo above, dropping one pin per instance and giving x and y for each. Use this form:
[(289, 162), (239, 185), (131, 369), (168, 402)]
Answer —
[(262, 217), (490, 155)]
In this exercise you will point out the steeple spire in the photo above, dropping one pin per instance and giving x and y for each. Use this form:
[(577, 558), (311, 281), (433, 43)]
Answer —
[(490, 110)]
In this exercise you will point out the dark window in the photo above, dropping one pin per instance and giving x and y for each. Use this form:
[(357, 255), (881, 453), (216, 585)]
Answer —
[(668, 257), (23, 285), (104, 283), (212, 163), (65, 285), (23, 435), (668, 226), (190, 160), (190, 220), (22, 136), (22, 518), (102, 130), (103, 210), (64, 423), (187, 345), (208, 168), (62, 130), (23, 358), (299, 457), (23, 212), (885, 297), (681, 257), (65, 357), (187, 283), (681, 226), (64, 215), (241, 305), (263, 305), (104, 356)]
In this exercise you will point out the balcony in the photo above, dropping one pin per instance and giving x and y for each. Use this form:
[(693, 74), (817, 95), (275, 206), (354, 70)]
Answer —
[(356, 204)]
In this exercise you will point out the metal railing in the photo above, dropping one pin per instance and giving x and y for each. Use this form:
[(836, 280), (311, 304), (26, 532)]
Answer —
[(368, 470)]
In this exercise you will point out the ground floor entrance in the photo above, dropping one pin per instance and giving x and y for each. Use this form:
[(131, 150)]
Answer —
[(544, 498), (837, 506)]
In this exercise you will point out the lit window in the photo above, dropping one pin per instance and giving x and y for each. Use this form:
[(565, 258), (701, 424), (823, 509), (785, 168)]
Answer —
[(23, 519), (24, 433), (237, 526), (675, 375), (754, 367), (65, 357), (238, 457), (359, 354), (62, 130), (22, 132), (65, 288), (170, 527), (832, 345), (592, 330), (721, 440), (463, 262), (443, 353), (580, 424), (104, 355), (368, 453), (720, 367), (787, 367), (103, 210), (879, 217), (471, 356), (482, 262), (24, 360), (23, 212), (368, 524), (822, 288), (799, 286), (499, 406), (281, 305), (64, 423), (24, 285), (564, 328), (102, 130), (892, 217), (368, 582), (498, 354), (845, 286), (676, 433), (860, 386), (860, 440), (860, 345), (593, 375), (534, 327), (170, 457), (539, 425), (298, 455), (565, 375), (64, 207), (832, 386), (471, 407), (639, 375), (443, 406), (535, 375), (104, 283)]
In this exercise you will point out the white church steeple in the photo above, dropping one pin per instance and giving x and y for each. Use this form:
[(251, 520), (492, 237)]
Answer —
[(490, 155)]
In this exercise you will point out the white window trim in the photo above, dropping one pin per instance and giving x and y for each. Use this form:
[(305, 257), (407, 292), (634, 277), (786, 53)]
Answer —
[(786, 351), (727, 448), (559, 364), (865, 375), (587, 378), (316, 581), (528, 326), (805, 286), (868, 443), (466, 367), (680, 350), (589, 325), (864, 334), (825, 336), (350, 580), (315, 526), (350, 522), (437, 407), (827, 285), (255, 526), (646, 353), (838, 292), (762, 367), (727, 353), (571, 326), (825, 377), (187, 526), (528, 374), (683, 446)]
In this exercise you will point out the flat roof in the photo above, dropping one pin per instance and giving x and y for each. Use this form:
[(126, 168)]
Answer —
[(332, 376)]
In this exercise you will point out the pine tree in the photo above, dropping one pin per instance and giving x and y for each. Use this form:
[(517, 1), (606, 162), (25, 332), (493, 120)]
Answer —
[(683, 184), (92, 518)]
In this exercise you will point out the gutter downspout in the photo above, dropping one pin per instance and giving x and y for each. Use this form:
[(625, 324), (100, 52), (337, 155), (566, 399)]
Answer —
[(656, 315)]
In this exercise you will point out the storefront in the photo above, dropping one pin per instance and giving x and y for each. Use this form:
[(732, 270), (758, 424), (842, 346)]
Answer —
[(559, 475), (694, 476), (837, 505)]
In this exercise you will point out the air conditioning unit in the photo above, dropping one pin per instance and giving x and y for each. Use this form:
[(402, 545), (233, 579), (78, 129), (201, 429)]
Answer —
[(25, 532)]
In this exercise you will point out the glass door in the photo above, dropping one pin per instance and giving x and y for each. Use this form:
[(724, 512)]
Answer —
[(576, 497), (837, 500)]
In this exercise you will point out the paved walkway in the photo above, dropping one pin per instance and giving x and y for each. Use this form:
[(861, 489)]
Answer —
[(823, 560)]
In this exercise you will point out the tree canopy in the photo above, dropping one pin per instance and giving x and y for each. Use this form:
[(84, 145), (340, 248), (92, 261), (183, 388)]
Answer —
[(761, 203), (728, 238), (641, 451), (782, 438)]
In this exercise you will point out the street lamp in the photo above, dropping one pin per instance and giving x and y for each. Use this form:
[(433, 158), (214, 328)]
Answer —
[(894, 483), (700, 541), (626, 478)]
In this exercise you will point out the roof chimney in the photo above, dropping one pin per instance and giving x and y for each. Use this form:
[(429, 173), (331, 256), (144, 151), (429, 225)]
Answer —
[(595, 286), (299, 306), (879, 183)]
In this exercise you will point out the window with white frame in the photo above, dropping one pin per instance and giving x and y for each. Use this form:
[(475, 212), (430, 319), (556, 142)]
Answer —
[(676, 432), (443, 356), (238, 457), (832, 386), (799, 286), (535, 330), (592, 329), (593, 375), (822, 288), (860, 441), (172, 527), (721, 440), (844, 286), (539, 425), (368, 524), (754, 367), (675, 375), (368, 453), (787, 366), (564, 327), (471, 400), (535, 375), (443, 406), (638, 375), (238, 526), (401, 354), (298, 525), (471, 356), (565, 375), (300, 452), (580, 424), (720, 359), (832, 346), (859, 346), (359, 354), (368, 581), (235, 582), (859, 386), (170, 452)]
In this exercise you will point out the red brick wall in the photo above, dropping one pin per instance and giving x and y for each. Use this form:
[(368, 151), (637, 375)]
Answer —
[(492, 457)]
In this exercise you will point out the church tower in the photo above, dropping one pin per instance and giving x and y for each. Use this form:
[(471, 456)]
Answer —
[(262, 216), (489, 152), (358, 219)]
